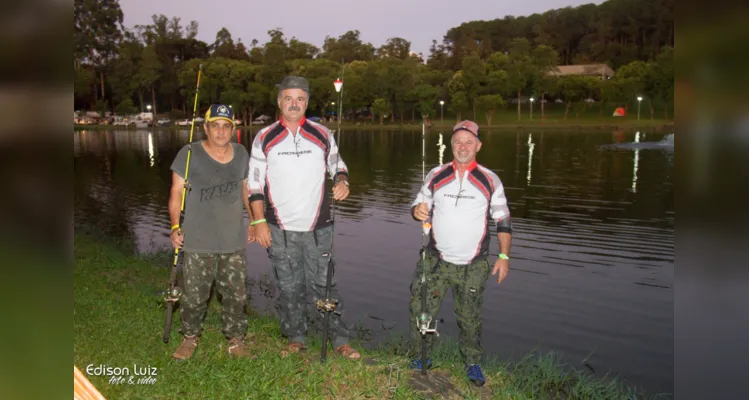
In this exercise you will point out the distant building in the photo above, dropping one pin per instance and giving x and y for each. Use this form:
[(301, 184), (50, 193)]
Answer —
[(601, 71)]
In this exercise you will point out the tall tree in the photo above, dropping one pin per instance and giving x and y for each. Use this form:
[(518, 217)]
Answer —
[(489, 103), (543, 59), (519, 68), (149, 74), (301, 50), (474, 77), (458, 95), (395, 47), (225, 47), (380, 108), (124, 70), (348, 47), (97, 29)]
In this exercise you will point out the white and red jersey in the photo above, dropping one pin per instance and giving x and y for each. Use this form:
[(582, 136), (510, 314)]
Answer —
[(287, 170), (461, 210)]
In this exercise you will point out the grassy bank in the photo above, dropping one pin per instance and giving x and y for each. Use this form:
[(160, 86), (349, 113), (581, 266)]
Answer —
[(118, 318)]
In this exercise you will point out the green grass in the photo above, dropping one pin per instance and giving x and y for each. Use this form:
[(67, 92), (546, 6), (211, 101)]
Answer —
[(118, 320)]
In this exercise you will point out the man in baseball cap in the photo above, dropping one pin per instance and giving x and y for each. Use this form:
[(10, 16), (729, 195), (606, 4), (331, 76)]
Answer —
[(461, 198), (291, 215), (219, 111), (212, 234), (293, 82), (469, 126)]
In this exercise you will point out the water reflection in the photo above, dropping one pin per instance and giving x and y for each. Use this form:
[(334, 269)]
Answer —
[(636, 163), (150, 148), (531, 145), (592, 264)]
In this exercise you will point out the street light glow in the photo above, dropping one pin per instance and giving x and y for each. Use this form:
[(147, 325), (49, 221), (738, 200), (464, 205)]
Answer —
[(442, 102), (532, 99), (639, 100)]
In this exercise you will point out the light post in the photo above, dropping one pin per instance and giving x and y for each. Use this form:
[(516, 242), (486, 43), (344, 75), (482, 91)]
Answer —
[(338, 88), (532, 100), (442, 109), (148, 107), (639, 100)]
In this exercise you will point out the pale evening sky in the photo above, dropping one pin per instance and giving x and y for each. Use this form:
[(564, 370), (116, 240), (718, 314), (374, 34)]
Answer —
[(418, 21)]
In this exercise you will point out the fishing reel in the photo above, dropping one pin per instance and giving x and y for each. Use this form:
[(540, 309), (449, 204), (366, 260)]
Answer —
[(423, 321), (327, 305), (173, 294)]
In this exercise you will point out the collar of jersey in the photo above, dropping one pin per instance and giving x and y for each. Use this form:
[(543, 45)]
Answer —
[(301, 122), (470, 167)]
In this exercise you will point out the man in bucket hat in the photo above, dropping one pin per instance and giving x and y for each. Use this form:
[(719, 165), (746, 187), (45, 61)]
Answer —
[(212, 236), (460, 198), (291, 213)]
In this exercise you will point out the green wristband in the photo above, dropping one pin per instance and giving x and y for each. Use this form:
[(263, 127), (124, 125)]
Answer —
[(259, 221), (503, 256)]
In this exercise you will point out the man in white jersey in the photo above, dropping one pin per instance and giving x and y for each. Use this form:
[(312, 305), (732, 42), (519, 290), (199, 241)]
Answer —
[(291, 213), (461, 198)]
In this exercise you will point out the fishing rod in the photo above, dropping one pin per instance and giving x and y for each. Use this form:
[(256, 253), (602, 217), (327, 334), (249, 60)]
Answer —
[(423, 321), (328, 305), (174, 292)]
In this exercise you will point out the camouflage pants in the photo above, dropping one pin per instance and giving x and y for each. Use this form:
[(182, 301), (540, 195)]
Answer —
[(228, 270), (467, 283), (300, 264)]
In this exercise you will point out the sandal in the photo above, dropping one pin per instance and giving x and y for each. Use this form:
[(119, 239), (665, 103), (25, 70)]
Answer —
[(348, 352), (293, 348)]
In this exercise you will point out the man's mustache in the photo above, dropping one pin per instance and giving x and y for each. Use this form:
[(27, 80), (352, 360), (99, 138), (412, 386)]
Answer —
[(294, 108)]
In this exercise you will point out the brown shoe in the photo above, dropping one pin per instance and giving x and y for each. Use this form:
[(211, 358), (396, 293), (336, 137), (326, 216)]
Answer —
[(238, 348), (348, 352), (293, 348), (186, 348)]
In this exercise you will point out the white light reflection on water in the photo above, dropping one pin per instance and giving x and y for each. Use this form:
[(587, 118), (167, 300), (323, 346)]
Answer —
[(531, 145)]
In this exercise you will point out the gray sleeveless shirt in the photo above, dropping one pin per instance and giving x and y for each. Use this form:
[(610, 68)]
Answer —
[(214, 221)]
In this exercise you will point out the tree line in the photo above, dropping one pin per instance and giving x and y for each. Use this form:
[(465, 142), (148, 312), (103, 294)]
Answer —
[(479, 67)]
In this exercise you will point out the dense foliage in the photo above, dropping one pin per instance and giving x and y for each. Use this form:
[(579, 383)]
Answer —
[(479, 67)]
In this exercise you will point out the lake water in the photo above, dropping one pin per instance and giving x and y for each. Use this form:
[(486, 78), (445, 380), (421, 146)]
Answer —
[(592, 269)]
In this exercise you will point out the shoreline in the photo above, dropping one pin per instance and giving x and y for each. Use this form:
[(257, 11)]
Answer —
[(116, 289), (658, 125)]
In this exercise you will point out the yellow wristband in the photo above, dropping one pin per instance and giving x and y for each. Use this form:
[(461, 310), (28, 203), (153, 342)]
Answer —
[(503, 256), (175, 226), (259, 221)]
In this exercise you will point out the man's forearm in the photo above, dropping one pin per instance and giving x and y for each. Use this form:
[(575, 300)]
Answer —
[(248, 208), (246, 200), (340, 176), (174, 208), (258, 211), (505, 240)]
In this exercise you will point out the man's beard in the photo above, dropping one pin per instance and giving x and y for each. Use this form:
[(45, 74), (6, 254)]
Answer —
[(463, 159)]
